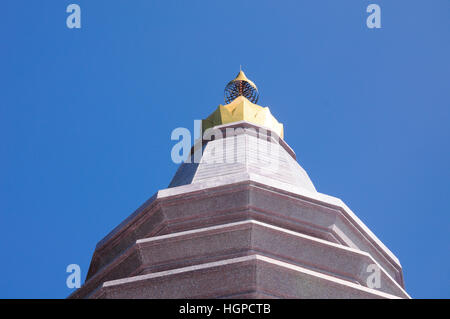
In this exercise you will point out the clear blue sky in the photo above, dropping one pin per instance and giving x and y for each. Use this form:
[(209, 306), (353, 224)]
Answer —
[(86, 117)]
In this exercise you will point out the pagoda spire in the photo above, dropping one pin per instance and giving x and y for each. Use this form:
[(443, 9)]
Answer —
[(241, 86)]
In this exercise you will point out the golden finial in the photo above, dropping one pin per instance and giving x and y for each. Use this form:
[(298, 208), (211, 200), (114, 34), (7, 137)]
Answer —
[(241, 86)]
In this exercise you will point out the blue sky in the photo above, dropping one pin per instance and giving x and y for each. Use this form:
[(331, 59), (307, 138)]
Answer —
[(86, 117)]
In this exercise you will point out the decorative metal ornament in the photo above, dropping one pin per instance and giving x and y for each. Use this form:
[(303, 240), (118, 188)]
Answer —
[(241, 86)]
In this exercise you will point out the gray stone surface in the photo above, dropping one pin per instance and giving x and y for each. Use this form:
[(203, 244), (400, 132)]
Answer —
[(257, 229), (199, 246), (246, 149), (242, 201), (235, 277)]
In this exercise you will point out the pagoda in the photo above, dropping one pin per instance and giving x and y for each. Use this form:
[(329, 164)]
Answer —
[(242, 219)]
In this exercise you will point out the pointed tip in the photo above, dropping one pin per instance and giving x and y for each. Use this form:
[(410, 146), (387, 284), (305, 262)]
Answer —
[(241, 76)]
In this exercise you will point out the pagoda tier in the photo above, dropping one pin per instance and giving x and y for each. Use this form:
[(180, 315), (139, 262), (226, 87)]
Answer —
[(244, 222)]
